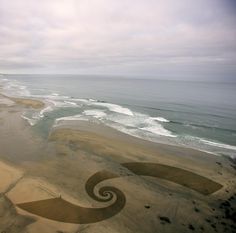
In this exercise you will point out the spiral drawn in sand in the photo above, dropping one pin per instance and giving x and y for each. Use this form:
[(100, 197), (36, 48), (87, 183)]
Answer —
[(61, 210)]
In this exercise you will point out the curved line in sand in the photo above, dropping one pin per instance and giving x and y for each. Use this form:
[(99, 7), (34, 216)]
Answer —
[(61, 210)]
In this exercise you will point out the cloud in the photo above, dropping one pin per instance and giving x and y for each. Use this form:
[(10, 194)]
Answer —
[(122, 37)]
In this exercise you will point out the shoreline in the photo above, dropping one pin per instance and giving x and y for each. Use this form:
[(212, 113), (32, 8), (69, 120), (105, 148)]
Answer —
[(204, 144), (61, 165)]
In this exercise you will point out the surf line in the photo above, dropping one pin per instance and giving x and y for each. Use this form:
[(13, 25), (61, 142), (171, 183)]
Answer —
[(58, 209)]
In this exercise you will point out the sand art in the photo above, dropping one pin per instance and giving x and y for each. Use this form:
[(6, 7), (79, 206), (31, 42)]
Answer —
[(61, 210)]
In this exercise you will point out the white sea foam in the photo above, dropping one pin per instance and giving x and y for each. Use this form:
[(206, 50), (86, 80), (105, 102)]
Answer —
[(115, 108), (80, 100), (52, 97), (126, 120), (53, 101), (60, 104), (34, 116), (153, 120), (31, 121), (122, 128), (62, 120), (147, 134), (158, 130), (140, 122), (71, 103), (69, 118), (92, 100), (218, 144), (160, 119), (55, 94), (152, 125), (95, 113), (14, 88), (43, 111)]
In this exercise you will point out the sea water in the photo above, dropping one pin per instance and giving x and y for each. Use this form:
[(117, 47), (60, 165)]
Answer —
[(200, 115)]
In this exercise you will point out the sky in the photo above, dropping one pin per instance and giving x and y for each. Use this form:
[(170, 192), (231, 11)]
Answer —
[(184, 39)]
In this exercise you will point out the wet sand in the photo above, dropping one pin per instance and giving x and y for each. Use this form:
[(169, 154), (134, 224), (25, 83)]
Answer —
[(33, 103), (91, 178)]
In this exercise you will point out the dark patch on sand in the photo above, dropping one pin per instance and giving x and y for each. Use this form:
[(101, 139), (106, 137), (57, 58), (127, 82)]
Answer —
[(232, 161), (10, 220), (224, 219), (164, 219), (191, 227)]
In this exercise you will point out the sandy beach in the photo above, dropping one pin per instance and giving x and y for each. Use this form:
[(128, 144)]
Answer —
[(85, 177)]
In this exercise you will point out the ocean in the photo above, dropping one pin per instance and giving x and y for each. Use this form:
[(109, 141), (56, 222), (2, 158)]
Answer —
[(199, 115)]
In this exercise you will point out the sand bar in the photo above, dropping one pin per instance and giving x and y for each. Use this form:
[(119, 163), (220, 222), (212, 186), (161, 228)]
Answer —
[(33, 103)]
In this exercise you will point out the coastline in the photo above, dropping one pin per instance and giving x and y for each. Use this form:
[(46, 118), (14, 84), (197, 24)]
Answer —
[(209, 132), (62, 164)]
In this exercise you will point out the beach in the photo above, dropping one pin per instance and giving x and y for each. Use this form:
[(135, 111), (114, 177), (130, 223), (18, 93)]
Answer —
[(117, 116), (87, 177)]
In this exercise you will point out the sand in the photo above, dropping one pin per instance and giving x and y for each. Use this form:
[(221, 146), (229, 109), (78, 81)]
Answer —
[(9, 175), (89, 178), (29, 102), (33, 103), (10, 220)]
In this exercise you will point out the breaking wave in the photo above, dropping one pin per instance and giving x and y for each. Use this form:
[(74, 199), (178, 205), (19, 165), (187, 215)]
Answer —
[(115, 108)]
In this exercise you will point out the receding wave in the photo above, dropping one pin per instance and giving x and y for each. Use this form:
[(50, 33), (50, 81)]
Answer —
[(204, 126), (218, 144), (159, 131), (206, 145)]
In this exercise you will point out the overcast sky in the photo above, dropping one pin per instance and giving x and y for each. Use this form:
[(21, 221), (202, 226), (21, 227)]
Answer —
[(190, 39)]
